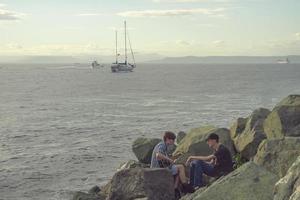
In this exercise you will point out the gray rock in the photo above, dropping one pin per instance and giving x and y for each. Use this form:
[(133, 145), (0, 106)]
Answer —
[(87, 196), (277, 155), (284, 119), (143, 147), (180, 136), (296, 195), (94, 190), (288, 187), (194, 142), (238, 127), (128, 184), (248, 182), (253, 134), (171, 149), (132, 164)]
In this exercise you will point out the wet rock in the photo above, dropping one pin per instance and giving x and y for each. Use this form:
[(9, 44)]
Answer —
[(138, 183), (288, 187), (284, 119), (88, 196), (277, 155), (194, 142), (238, 127), (248, 182), (132, 164), (94, 190), (171, 149), (253, 134), (143, 147), (180, 136)]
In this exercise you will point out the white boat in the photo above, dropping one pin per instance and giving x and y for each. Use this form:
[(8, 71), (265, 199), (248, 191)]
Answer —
[(286, 61), (123, 66)]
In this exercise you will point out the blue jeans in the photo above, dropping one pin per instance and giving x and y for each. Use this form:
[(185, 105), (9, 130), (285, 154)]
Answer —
[(198, 167)]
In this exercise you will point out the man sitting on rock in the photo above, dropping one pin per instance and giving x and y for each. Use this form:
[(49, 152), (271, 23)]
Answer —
[(160, 159), (215, 165)]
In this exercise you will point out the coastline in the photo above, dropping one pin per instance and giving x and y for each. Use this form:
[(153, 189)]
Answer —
[(263, 145)]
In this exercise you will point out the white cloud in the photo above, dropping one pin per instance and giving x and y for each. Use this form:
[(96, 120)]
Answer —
[(219, 43), (175, 12), (90, 14), (183, 43), (54, 49), (297, 36), (9, 15), (14, 46)]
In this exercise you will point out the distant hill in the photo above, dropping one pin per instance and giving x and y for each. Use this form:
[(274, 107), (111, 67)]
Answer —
[(140, 57), (227, 59), (149, 58)]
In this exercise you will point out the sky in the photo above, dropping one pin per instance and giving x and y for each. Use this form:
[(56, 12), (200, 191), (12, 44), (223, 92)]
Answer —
[(164, 27)]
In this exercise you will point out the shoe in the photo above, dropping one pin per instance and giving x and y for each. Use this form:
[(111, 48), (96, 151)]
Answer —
[(177, 194), (187, 188)]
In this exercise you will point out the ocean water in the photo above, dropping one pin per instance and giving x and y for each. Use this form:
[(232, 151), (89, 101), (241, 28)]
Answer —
[(65, 128)]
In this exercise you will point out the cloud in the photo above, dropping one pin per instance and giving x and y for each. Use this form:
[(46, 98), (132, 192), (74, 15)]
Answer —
[(183, 43), (219, 43), (9, 15), (175, 12), (54, 49), (90, 14), (14, 46), (297, 36)]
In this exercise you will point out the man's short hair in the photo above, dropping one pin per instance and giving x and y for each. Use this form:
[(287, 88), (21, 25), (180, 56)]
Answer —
[(169, 135), (212, 136)]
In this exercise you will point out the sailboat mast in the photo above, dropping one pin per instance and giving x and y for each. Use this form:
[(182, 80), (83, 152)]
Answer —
[(125, 43), (116, 46)]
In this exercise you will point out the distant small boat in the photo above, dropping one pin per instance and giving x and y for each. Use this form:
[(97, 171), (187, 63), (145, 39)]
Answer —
[(125, 66), (286, 61), (95, 65)]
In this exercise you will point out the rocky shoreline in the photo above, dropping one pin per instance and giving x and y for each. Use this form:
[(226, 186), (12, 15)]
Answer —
[(264, 145)]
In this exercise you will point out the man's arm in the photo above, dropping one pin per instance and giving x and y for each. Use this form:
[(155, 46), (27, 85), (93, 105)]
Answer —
[(160, 156), (204, 158)]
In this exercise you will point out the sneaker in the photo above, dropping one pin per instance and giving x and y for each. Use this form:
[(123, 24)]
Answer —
[(187, 188), (177, 194)]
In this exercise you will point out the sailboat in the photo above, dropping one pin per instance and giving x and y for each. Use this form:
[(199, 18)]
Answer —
[(123, 66)]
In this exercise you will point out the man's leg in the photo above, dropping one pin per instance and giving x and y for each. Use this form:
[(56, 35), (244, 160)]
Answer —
[(175, 173), (200, 167), (192, 173), (181, 173)]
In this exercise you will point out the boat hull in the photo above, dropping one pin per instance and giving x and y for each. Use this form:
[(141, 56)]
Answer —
[(122, 67)]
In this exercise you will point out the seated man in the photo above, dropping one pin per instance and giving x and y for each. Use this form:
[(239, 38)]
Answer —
[(160, 159), (216, 165)]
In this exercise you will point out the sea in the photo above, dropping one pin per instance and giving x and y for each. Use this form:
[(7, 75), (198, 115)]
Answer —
[(67, 127)]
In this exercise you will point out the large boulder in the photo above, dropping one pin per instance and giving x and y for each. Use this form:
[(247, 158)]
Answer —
[(284, 119), (132, 164), (143, 147), (87, 196), (247, 141), (194, 142), (238, 127), (288, 187), (138, 183), (180, 136), (94, 193), (248, 182), (277, 155)]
